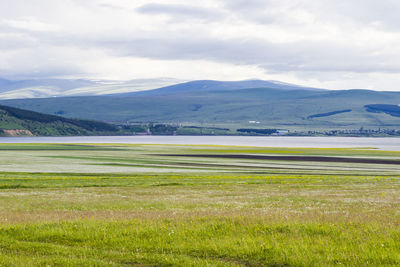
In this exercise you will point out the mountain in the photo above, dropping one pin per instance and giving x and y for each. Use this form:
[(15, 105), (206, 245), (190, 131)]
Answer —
[(245, 104), (35, 88), (210, 85), (19, 122), (42, 88)]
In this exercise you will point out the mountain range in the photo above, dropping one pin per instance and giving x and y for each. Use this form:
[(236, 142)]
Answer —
[(251, 103), (40, 88)]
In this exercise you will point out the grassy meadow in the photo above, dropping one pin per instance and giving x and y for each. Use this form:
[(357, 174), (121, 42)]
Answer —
[(188, 205)]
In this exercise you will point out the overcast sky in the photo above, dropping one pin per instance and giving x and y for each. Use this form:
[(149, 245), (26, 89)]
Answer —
[(322, 43)]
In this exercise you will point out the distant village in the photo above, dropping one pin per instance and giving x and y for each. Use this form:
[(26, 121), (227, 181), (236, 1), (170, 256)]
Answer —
[(359, 132), (179, 129)]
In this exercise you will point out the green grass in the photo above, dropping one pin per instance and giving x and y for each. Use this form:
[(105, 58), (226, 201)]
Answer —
[(61, 206), (200, 242), (49, 125)]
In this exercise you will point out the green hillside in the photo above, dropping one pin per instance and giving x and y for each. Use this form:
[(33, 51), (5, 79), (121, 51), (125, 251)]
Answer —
[(273, 108), (19, 122)]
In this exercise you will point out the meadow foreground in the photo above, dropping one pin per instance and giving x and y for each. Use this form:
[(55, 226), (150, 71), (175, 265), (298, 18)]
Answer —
[(154, 205)]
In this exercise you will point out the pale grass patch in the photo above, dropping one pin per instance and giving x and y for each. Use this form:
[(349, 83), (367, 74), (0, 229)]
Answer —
[(290, 203)]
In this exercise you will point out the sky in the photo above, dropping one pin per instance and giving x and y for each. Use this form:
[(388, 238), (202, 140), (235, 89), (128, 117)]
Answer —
[(328, 44)]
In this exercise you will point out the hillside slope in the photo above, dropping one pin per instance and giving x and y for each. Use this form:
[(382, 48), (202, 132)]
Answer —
[(285, 108), (19, 122)]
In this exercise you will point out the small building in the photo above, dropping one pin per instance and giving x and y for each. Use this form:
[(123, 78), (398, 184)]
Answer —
[(282, 132)]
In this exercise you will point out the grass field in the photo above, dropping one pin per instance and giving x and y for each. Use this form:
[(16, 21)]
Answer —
[(154, 205)]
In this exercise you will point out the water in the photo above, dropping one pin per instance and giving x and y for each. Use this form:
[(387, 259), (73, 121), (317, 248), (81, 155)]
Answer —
[(257, 141)]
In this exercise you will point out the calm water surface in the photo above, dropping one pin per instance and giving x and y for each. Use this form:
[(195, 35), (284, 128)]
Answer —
[(258, 141)]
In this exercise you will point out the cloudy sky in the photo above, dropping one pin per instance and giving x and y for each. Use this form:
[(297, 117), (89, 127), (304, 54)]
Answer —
[(325, 43)]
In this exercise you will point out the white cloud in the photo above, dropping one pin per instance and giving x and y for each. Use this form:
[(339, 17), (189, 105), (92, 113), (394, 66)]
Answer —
[(29, 24), (335, 44), (178, 11)]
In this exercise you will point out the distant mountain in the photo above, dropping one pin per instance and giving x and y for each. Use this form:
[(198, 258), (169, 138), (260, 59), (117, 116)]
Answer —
[(42, 88), (210, 85), (20, 122), (244, 104), (4, 83), (39, 88)]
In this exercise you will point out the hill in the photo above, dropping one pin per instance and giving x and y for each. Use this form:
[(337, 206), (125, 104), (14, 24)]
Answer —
[(211, 85), (229, 105), (19, 122)]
